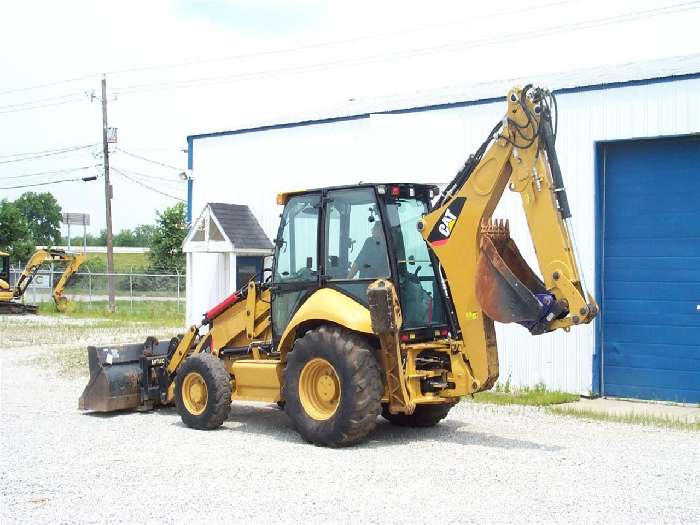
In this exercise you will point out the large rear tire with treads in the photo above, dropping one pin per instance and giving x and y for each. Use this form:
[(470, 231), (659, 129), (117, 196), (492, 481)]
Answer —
[(332, 387)]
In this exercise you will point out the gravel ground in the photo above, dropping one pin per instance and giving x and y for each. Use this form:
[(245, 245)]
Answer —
[(484, 463)]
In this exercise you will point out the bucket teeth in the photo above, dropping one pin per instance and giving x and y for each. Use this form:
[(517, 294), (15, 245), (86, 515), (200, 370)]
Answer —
[(498, 230)]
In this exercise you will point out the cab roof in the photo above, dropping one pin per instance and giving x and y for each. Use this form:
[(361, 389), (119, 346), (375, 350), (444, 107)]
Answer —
[(282, 198)]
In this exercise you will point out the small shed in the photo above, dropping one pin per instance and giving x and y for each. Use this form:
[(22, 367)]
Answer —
[(225, 248)]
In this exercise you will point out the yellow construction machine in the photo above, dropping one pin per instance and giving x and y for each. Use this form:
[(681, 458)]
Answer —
[(381, 299), (10, 296)]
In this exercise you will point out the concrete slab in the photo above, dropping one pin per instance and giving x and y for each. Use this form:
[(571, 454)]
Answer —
[(624, 407)]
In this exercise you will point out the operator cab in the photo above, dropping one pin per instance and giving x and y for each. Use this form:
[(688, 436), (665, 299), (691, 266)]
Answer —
[(4, 268), (347, 237)]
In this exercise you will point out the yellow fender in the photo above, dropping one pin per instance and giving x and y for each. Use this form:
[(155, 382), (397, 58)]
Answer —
[(327, 305)]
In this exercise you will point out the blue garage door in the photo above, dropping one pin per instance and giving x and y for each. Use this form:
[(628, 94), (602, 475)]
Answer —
[(651, 269)]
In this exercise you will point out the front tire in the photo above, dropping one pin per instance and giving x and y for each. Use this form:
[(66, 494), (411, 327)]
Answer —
[(203, 392), (423, 416), (332, 387)]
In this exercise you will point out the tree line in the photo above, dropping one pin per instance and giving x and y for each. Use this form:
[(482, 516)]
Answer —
[(33, 219)]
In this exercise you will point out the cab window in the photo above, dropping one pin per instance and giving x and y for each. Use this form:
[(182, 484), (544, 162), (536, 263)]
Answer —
[(355, 246)]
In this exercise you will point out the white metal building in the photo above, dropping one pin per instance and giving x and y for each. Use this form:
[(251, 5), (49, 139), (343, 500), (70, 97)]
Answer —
[(627, 135)]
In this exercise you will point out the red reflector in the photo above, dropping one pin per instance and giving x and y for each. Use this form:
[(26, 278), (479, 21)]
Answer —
[(404, 338), (395, 191), (444, 332)]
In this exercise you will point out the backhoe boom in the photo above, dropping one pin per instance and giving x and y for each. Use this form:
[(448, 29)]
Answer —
[(487, 277)]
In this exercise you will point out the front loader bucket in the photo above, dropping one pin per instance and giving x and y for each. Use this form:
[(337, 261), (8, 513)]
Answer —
[(116, 375), (507, 288)]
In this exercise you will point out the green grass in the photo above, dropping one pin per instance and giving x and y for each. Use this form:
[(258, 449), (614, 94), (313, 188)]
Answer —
[(123, 262), (634, 419), (537, 396), (161, 313)]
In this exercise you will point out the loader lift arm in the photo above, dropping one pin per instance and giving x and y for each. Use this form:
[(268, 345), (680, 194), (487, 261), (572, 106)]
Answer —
[(486, 276)]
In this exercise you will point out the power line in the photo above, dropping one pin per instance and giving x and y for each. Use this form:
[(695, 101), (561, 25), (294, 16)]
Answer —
[(257, 54), (49, 99), (147, 186), (5, 155), (149, 160), (154, 177), (41, 106), (291, 49), (481, 42), (84, 179), (47, 84), (44, 173), (42, 154)]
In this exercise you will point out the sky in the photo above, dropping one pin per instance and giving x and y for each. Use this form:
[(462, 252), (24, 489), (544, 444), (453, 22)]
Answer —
[(176, 67)]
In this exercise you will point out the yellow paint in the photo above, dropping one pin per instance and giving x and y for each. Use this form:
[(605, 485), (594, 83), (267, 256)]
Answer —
[(319, 389), (257, 380), (282, 198), (327, 305), (194, 393)]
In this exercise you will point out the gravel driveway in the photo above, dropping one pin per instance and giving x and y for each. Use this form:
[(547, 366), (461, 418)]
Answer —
[(483, 464)]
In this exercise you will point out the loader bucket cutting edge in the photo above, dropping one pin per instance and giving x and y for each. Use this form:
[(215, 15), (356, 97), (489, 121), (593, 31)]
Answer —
[(115, 377), (505, 284)]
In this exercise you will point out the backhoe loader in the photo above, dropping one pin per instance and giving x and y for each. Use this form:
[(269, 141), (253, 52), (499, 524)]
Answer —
[(9, 297), (381, 299)]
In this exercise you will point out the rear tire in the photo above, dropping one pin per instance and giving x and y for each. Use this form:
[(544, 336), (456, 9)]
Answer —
[(203, 392), (332, 387), (424, 416)]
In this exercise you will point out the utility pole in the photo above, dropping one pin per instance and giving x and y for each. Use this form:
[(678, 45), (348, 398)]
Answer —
[(108, 199)]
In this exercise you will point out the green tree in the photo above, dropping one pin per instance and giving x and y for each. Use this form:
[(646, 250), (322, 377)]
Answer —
[(168, 236), (42, 214), (143, 234), (15, 235), (124, 238)]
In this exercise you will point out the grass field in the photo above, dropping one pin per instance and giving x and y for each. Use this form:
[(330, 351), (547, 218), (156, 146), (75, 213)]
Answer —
[(123, 262), (160, 313)]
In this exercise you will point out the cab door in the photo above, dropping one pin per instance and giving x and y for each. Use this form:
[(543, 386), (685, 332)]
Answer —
[(296, 269)]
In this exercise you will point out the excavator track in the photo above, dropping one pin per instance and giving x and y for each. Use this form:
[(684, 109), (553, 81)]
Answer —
[(13, 308)]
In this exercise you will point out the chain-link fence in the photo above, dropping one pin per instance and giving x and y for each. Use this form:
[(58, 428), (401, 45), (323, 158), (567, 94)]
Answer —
[(91, 287)]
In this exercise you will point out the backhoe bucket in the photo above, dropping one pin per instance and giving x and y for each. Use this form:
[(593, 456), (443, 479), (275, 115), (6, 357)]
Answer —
[(507, 288), (119, 375)]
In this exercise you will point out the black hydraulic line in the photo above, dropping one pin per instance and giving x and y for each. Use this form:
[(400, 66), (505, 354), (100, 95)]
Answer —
[(559, 191)]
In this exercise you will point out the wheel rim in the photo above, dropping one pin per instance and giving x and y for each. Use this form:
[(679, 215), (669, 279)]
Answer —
[(194, 393), (319, 389)]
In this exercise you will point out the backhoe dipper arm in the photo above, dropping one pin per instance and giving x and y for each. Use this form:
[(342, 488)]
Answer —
[(486, 276)]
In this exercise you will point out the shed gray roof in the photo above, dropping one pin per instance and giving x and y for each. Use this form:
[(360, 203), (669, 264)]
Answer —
[(240, 226), (616, 75)]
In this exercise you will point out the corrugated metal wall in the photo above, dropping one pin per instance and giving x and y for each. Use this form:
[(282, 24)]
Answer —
[(429, 146)]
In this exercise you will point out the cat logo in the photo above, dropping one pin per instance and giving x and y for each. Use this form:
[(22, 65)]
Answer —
[(443, 229), (447, 222)]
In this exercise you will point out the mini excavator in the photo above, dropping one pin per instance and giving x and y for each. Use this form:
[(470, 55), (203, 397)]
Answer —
[(381, 299), (9, 296)]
